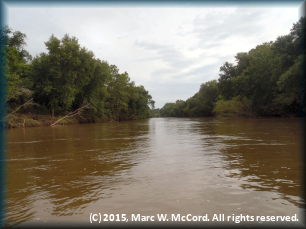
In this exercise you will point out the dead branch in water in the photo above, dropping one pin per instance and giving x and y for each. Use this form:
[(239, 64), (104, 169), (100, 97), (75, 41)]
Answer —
[(25, 104), (134, 117), (73, 113)]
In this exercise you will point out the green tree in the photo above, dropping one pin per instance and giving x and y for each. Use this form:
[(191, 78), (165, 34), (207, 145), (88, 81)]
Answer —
[(287, 100), (207, 96), (17, 59), (15, 63), (255, 82), (227, 73), (202, 103), (154, 113), (141, 104), (62, 73), (266, 81), (192, 106), (178, 109), (95, 92), (167, 110), (121, 90)]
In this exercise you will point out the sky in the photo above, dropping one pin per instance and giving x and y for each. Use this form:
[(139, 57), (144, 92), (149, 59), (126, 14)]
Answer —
[(169, 50)]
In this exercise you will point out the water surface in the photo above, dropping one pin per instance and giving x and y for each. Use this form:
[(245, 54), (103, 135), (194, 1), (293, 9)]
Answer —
[(156, 166)]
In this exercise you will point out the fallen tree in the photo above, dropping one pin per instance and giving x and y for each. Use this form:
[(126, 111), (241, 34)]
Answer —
[(25, 104), (73, 113)]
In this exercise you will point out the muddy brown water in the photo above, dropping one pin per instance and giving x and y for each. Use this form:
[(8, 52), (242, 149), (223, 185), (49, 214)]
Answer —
[(186, 166)]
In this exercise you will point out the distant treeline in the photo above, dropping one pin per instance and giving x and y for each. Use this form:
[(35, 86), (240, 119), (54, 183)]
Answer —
[(269, 80), (65, 79)]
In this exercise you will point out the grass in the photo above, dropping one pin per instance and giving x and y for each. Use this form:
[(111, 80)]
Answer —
[(32, 122), (15, 121), (67, 121)]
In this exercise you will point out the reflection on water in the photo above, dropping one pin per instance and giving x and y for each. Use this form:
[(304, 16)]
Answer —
[(265, 159), (165, 165)]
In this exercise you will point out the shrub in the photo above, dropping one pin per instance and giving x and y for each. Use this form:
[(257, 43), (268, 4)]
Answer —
[(238, 106)]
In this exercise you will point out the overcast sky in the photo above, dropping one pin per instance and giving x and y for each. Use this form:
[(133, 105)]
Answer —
[(171, 51)]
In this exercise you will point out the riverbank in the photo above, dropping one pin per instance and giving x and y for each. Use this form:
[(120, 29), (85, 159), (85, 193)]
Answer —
[(37, 120)]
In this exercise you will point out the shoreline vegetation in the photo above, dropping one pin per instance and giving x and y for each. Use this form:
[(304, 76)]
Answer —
[(69, 85), (66, 85), (267, 81), (38, 120)]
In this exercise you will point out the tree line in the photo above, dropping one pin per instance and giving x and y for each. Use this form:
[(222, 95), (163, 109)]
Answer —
[(66, 78), (269, 80)]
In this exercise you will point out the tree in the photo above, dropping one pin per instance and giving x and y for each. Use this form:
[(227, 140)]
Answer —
[(140, 105), (287, 100), (14, 65), (121, 90), (268, 80), (192, 106), (95, 92), (202, 103), (16, 59), (167, 110), (207, 96), (62, 73), (227, 73), (154, 113), (255, 81)]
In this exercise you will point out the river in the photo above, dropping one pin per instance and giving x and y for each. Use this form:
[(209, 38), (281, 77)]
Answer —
[(186, 166)]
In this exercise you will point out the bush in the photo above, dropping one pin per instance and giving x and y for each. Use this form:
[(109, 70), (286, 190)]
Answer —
[(238, 106)]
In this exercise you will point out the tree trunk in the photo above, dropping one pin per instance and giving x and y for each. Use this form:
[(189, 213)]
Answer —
[(52, 115)]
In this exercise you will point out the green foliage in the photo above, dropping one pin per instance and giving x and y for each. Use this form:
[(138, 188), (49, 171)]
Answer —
[(238, 106), (15, 66), (167, 110), (270, 75), (140, 104), (62, 73), (68, 76), (227, 73), (206, 97), (255, 81), (154, 113), (201, 104), (269, 80), (287, 100), (121, 90), (96, 92)]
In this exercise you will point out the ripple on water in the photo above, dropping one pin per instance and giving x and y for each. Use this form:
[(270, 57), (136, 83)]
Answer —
[(188, 166)]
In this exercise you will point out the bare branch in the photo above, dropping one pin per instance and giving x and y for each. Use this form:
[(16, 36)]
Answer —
[(25, 104), (20, 90), (73, 113), (12, 96)]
